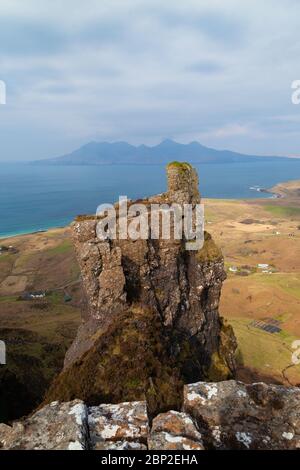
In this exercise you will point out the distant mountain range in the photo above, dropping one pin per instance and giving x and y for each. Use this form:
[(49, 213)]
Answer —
[(104, 153)]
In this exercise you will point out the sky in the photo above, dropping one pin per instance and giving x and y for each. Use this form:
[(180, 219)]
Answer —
[(140, 71)]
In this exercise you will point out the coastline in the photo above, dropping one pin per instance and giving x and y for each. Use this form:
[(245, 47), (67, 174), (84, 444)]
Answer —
[(31, 232), (287, 190)]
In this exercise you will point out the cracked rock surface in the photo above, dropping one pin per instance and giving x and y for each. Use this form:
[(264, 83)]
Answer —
[(58, 426), (232, 415), (122, 426), (223, 415)]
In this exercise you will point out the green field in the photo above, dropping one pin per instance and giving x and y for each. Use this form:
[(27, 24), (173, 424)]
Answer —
[(269, 353)]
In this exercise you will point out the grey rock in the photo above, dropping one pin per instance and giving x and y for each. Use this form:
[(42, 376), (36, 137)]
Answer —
[(125, 425), (58, 426), (232, 415), (226, 415)]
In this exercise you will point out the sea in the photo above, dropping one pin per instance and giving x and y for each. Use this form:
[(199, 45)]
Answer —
[(35, 198)]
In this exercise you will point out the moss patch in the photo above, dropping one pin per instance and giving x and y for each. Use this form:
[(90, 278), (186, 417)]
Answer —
[(129, 361), (218, 370), (181, 166), (210, 251)]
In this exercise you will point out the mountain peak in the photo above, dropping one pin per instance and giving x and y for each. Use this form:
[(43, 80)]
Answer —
[(120, 152), (167, 142)]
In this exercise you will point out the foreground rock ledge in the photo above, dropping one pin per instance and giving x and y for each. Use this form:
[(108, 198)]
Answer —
[(223, 415)]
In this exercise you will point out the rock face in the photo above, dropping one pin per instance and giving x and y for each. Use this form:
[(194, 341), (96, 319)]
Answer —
[(232, 415), (223, 415), (58, 426), (152, 312), (119, 427)]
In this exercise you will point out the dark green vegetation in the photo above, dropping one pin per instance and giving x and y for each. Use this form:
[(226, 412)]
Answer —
[(210, 251), (129, 361), (179, 165), (283, 211)]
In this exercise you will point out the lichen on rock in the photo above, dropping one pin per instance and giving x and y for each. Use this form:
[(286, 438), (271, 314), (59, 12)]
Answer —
[(221, 415), (233, 415)]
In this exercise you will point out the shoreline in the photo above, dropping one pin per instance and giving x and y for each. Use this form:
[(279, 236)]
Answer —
[(34, 232), (278, 192)]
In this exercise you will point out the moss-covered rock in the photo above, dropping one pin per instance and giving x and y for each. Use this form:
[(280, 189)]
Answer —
[(181, 166), (223, 363), (210, 252), (128, 361)]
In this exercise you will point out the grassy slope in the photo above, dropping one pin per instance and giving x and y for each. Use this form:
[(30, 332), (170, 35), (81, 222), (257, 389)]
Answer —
[(272, 238)]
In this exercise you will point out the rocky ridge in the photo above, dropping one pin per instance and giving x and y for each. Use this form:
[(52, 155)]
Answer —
[(220, 415)]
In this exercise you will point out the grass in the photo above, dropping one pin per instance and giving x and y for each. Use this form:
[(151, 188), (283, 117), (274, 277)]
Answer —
[(64, 247), (266, 352), (23, 260), (283, 211), (55, 297), (210, 215), (5, 257), (32, 364), (8, 298), (289, 283)]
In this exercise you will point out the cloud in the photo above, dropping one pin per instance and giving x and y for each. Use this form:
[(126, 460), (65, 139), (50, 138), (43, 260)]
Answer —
[(216, 26), (219, 72), (205, 67), (232, 130), (19, 37)]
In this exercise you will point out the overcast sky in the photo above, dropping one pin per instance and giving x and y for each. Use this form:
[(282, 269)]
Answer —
[(215, 71)]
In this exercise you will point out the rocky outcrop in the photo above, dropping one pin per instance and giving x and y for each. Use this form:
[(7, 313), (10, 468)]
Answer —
[(219, 415), (152, 312), (232, 415), (58, 426)]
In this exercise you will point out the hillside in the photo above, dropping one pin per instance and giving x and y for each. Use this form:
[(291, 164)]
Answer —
[(104, 153)]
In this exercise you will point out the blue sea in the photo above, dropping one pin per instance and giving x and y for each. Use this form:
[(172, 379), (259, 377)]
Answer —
[(36, 198)]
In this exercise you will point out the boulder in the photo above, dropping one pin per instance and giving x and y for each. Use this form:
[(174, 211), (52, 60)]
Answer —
[(57, 426), (232, 415)]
